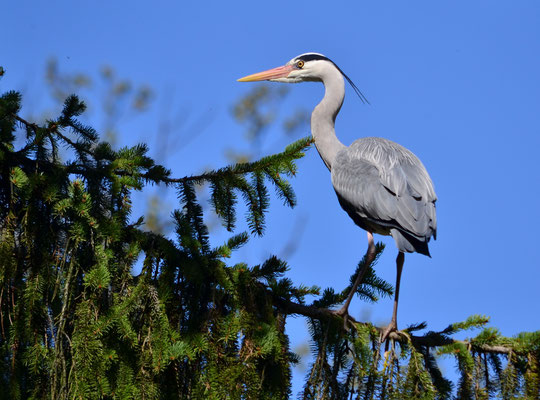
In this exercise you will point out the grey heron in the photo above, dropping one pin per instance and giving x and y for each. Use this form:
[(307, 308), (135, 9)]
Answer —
[(383, 187)]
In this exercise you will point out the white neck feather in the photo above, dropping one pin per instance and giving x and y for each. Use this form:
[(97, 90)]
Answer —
[(324, 115)]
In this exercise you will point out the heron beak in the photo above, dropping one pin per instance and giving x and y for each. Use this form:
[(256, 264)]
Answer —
[(275, 73)]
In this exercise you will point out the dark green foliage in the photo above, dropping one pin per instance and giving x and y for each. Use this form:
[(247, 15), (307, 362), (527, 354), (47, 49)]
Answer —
[(76, 324), (354, 364)]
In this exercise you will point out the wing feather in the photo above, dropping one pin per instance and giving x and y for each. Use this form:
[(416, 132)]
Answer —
[(385, 188)]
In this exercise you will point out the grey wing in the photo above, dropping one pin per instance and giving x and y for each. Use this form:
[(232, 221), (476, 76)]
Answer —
[(386, 189)]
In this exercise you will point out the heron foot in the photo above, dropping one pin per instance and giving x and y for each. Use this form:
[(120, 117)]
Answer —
[(343, 312), (391, 327)]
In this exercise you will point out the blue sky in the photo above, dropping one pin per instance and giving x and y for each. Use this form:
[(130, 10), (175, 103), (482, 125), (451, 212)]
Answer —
[(457, 83)]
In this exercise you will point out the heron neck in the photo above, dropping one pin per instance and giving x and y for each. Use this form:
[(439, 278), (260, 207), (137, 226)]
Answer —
[(324, 116)]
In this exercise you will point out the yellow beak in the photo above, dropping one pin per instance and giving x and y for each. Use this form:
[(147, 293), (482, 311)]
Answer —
[(275, 73)]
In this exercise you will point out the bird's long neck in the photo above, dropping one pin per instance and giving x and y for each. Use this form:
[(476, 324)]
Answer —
[(324, 116)]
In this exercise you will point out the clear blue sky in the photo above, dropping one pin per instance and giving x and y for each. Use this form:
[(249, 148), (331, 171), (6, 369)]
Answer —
[(458, 83)]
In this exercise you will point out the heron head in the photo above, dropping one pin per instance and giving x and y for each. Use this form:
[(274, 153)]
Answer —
[(307, 67)]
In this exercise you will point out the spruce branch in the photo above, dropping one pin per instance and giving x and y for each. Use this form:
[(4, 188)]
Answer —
[(271, 166), (292, 152), (429, 340)]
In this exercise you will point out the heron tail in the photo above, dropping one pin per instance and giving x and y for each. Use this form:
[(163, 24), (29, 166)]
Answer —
[(408, 243)]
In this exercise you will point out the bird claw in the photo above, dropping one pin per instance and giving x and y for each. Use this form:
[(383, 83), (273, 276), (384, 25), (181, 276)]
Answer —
[(343, 312), (391, 327)]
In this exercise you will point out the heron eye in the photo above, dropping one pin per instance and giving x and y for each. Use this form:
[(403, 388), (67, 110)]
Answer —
[(300, 64)]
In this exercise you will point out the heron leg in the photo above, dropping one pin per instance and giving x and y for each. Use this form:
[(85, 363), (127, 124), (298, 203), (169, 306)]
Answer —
[(392, 326), (370, 256)]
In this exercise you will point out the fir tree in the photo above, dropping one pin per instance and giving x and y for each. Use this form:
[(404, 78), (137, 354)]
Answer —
[(76, 324)]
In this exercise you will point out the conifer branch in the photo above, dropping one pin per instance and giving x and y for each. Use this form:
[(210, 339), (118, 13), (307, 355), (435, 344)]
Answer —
[(429, 340), (30, 125), (293, 151), (52, 128)]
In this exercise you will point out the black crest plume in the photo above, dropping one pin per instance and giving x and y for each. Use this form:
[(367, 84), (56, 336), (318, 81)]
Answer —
[(313, 56)]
